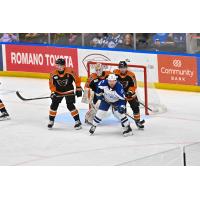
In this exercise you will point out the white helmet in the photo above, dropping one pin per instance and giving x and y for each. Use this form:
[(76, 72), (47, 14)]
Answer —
[(112, 77)]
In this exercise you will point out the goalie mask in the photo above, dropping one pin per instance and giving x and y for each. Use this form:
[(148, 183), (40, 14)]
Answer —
[(99, 69)]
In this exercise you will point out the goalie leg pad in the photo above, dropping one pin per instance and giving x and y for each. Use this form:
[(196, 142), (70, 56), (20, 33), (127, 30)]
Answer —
[(90, 115)]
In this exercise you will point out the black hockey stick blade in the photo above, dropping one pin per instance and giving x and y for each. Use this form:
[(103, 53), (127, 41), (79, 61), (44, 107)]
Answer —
[(29, 99)]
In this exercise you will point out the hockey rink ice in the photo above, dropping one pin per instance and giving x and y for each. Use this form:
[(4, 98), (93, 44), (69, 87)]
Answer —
[(25, 139)]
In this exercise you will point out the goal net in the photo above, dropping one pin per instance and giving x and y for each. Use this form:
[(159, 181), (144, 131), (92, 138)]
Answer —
[(146, 92)]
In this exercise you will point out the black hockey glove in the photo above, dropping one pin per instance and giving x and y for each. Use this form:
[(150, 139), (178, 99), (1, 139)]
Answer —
[(53, 95), (130, 94), (79, 92)]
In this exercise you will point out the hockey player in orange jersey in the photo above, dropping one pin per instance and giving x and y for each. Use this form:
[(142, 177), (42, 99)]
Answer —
[(4, 114), (128, 80), (61, 86)]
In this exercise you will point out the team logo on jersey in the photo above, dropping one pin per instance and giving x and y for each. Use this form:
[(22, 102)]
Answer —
[(62, 82), (125, 84)]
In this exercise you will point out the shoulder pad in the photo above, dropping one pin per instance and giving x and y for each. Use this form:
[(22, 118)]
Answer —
[(129, 73), (116, 71)]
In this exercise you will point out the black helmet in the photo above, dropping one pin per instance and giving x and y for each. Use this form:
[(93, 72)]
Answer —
[(60, 61), (122, 64)]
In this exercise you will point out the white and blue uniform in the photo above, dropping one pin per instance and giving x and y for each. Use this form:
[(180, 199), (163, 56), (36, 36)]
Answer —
[(110, 97)]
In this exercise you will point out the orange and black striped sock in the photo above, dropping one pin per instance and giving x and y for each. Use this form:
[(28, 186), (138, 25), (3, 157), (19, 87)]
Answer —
[(137, 117), (52, 114), (75, 114)]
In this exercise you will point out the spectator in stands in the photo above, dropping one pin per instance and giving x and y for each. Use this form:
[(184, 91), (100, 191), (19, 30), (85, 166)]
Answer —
[(35, 37), (75, 39), (127, 41), (157, 45), (8, 37), (112, 40), (162, 37), (179, 40), (59, 38), (98, 39), (143, 41)]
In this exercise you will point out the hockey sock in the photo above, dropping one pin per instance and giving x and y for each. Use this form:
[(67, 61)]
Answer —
[(137, 116), (124, 121), (74, 112), (52, 114), (99, 116)]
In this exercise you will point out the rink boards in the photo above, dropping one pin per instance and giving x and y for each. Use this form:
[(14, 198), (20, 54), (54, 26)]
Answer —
[(168, 71)]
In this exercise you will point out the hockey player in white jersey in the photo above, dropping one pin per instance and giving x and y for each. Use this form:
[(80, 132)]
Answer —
[(111, 93)]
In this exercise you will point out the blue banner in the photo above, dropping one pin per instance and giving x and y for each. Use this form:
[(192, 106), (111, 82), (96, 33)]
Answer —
[(1, 58), (198, 69)]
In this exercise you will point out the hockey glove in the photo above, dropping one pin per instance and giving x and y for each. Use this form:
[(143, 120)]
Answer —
[(130, 94), (53, 95), (121, 109), (79, 92)]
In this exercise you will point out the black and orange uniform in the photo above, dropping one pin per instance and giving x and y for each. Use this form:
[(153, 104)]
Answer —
[(61, 86), (2, 107), (4, 113), (128, 80), (93, 81)]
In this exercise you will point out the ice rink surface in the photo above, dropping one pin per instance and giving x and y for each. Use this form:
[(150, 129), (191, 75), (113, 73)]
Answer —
[(25, 139)]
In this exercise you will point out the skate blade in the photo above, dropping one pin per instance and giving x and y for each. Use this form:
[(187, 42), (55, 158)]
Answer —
[(78, 128), (128, 134), (4, 119), (91, 134), (140, 128)]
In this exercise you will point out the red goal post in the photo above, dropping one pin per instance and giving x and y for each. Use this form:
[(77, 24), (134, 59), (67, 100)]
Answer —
[(92, 63)]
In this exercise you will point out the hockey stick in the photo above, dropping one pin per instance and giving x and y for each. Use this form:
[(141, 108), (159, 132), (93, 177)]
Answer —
[(29, 99), (37, 98), (115, 107), (145, 106)]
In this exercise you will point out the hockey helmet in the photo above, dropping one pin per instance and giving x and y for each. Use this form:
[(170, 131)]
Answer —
[(60, 61), (122, 64), (112, 77)]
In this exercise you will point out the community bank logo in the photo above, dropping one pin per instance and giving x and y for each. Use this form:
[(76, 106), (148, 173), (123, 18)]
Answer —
[(95, 58), (177, 63)]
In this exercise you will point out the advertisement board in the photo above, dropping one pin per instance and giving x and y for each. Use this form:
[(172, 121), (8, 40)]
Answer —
[(1, 58), (177, 69), (27, 58), (198, 69), (148, 60)]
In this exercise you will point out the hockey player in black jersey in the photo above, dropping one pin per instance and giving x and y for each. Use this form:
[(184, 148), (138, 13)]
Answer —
[(4, 114), (61, 86)]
